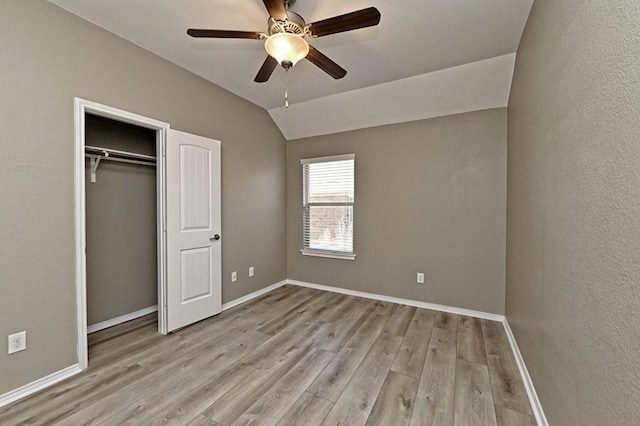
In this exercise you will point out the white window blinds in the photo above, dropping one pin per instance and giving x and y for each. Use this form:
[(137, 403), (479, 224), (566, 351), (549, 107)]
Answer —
[(328, 203)]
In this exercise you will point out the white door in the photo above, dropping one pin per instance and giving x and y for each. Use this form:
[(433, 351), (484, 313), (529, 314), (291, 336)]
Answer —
[(194, 279)]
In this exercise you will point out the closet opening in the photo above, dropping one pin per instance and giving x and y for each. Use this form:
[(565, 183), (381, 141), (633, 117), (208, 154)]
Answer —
[(120, 219), (121, 223)]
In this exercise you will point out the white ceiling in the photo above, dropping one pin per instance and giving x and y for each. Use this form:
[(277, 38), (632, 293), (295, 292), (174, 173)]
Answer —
[(415, 37), (470, 87)]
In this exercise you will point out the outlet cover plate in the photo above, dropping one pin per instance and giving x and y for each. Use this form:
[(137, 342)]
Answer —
[(17, 342), (420, 278), (234, 276), (251, 271)]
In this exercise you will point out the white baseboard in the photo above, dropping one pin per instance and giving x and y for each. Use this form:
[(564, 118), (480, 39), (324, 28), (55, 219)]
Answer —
[(417, 303), (253, 295), (39, 384), (541, 419), (123, 318)]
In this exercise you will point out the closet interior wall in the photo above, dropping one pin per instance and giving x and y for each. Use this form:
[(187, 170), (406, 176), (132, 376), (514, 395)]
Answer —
[(121, 226)]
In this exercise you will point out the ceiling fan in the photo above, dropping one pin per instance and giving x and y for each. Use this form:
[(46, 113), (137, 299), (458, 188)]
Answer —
[(285, 40)]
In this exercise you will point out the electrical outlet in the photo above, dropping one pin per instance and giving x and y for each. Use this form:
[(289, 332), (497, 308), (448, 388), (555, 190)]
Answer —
[(234, 276), (17, 342), (420, 278), (251, 271)]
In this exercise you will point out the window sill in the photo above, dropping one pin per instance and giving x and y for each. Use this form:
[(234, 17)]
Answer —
[(328, 254)]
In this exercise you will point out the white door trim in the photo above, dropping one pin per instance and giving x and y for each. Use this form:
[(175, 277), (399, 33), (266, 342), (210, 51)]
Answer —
[(81, 107)]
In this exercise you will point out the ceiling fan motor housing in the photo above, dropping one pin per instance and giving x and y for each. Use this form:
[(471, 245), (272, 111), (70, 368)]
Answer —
[(294, 24)]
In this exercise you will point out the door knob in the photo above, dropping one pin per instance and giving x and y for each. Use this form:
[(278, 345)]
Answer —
[(214, 238)]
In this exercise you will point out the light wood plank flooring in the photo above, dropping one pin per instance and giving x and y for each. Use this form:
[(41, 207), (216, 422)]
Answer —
[(295, 356)]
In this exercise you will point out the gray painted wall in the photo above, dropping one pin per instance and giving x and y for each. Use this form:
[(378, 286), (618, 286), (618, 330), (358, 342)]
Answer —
[(573, 272), (121, 224), (430, 197), (62, 56)]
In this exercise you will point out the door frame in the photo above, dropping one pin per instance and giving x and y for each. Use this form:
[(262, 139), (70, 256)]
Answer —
[(82, 107)]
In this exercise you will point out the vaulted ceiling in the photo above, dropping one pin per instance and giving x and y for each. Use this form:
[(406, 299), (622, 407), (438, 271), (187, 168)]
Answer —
[(426, 58)]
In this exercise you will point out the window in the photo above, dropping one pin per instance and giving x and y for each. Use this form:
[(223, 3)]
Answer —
[(327, 205)]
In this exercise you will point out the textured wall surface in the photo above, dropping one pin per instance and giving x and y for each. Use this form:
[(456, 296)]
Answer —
[(573, 250), (61, 56), (430, 197), (122, 257)]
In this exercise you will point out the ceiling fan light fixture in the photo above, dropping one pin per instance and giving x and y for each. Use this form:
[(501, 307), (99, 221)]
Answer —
[(286, 48)]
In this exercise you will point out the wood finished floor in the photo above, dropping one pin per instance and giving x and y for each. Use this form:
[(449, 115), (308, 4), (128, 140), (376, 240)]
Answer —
[(295, 356)]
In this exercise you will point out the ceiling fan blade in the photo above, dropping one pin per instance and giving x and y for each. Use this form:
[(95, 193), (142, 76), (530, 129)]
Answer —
[(194, 32), (276, 9), (266, 70), (350, 21), (325, 64)]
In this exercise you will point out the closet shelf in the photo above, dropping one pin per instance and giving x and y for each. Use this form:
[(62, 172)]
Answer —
[(96, 154)]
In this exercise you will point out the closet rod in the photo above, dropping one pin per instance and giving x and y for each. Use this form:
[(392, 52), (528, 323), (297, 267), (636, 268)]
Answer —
[(113, 154), (95, 154)]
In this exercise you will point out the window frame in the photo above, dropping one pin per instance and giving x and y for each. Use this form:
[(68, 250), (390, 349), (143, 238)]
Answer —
[(332, 254)]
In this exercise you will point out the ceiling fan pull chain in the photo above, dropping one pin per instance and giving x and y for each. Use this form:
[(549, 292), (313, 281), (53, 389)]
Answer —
[(286, 88)]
